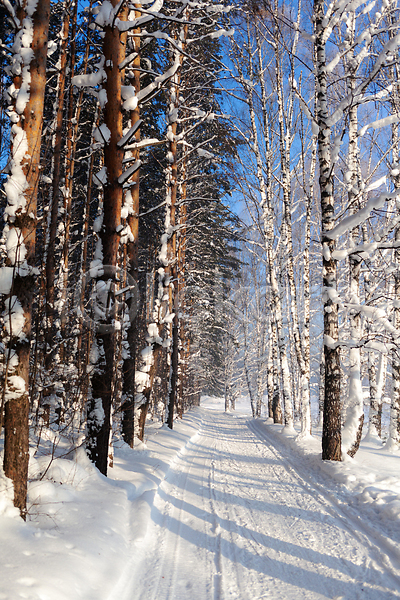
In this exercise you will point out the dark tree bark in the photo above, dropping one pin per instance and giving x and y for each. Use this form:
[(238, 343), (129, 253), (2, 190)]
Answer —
[(55, 198), (103, 380)]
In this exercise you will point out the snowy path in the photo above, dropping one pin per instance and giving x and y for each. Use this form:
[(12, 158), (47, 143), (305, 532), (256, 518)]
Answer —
[(233, 520)]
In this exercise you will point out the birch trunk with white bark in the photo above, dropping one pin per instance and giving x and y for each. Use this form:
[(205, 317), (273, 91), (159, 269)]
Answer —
[(352, 430), (331, 434), (284, 144), (265, 204)]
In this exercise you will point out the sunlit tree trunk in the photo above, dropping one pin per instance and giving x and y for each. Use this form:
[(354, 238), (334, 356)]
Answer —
[(68, 188), (132, 219), (395, 401), (285, 118), (331, 434), (351, 434), (103, 380), (172, 254), (265, 205), (22, 189), (309, 198), (181, 283)]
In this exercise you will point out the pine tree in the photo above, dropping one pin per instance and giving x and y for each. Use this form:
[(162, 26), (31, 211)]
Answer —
[(27, 94)]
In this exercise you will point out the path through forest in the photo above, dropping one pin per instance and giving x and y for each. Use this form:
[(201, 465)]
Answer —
[(235, 520)]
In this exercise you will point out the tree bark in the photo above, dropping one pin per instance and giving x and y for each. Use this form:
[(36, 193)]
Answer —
[(128, 390), (103, 380), (331, 431), (56, 177), (21, 218)]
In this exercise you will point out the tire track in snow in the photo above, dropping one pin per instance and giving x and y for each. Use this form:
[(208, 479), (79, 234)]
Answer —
[(224, 577), (380, 547), (217, 532), (173, 538), (241, 527), (294, 554), (233, 522), (168, 577)]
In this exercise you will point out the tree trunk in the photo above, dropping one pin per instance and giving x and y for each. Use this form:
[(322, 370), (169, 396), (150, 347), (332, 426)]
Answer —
[(395, 403), (103, 380), (56, 184), (21, 217), (284, 144), (331, 432), (172, 189), (133, 206), (72, 132), (351, 434)]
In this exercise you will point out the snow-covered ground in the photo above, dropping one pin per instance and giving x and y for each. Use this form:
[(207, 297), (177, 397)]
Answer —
[(224, 507)]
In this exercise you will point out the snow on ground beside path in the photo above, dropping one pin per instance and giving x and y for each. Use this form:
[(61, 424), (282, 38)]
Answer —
[(81, 524), (84, 530)]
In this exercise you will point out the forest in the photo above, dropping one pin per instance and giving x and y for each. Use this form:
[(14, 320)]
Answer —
[(197, 197)]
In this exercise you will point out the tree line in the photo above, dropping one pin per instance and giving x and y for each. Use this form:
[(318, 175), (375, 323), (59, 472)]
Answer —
[(314, 91), (117, 246)]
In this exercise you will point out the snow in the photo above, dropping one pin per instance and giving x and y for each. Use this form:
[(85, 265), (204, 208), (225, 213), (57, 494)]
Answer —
[(128, 134), (222, 507), (162, 257), (100, 178), (129, 172), (14, 319), (15, 387), (141, 379), (102, 134), (159, 80), (16, 184), (204, 153), (6, 279), (389, 120), (92, 79), (16, 250), (359, 217), (129, 95)]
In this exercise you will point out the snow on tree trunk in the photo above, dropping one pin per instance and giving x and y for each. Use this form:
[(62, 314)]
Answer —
[(270, 372), (352, 430), (276, 295), (394, 432), (376, 377), (321, 389), (26, 114), (103, 379), (305, 379), (132, 204), (170, 263), (284, 144), (277, 291), (68, 189), (180, 35), (331, 434), (266, 206), (181, 274)]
